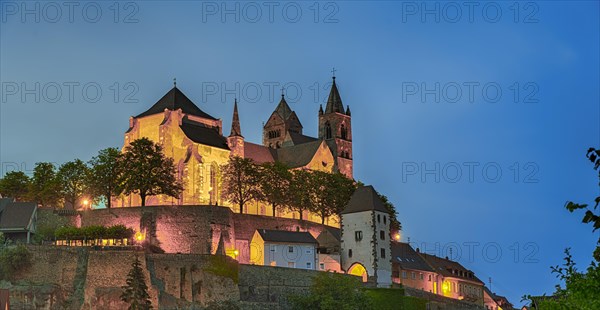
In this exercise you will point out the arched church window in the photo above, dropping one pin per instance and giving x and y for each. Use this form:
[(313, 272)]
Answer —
[(344, 132), (327, 130)]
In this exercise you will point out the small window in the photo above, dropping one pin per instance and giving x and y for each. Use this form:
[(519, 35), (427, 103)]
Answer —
[(350, 253), (273, 248), (358, 235), (384, 219), (429, 277), (322, 266), (404, 274), (412, 275), (308, 265), (382, 253), (291, 249), (382, 235), (421, 276), (378, 218)]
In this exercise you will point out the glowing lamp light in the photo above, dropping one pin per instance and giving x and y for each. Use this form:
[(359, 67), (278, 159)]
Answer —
[(236, 253), (397, 236), (139, 236)]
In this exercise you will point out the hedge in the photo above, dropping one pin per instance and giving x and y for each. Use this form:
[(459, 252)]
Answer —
[(93, 232)]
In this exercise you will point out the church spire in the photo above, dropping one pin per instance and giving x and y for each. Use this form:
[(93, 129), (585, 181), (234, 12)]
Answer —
[(236, 129), (334, 102)]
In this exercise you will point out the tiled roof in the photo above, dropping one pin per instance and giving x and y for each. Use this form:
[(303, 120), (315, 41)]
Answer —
[(297, 155), (298, 138), (258, 153), (17, 215), (173, 100), (286, 236), (449, 268), (365, 198), (202, 134), (283, 109), (404, 255)]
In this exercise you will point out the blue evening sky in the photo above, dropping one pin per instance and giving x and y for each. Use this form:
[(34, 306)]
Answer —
[(417, 149)]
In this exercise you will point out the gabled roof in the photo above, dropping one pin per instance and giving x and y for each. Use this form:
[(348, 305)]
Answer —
[(297, 155), (365, 198), (298, 138), (4, 202), (258, 153), (283, 109), (334, 101), (285, 236), (202, 134), (173, 100), (17, 215), (446, 266), (405, 256), (330, 237)]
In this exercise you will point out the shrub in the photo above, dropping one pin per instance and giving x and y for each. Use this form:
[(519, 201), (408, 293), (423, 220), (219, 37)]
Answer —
[(13, 260), (330, 291)]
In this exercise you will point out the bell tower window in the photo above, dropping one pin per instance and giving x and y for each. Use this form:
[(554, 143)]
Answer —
[(328, 131), (344, 132)]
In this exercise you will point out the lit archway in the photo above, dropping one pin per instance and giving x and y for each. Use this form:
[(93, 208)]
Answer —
[(357, 269)]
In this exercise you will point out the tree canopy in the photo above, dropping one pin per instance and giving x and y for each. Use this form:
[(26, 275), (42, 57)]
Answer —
[(581, 290), (103, 175), (241, 181), (15, 184), (44, 187), (148, 172), (71, 177)]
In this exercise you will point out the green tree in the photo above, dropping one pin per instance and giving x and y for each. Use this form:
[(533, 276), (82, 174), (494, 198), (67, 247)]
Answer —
[(135, 293), (341, 189), (148, 172), (395, 225), (331, 291), (241, 181), (71, 177), (103, 176), (44, 188), (275, 183), (299, 192), (15, 184), (581, 289)]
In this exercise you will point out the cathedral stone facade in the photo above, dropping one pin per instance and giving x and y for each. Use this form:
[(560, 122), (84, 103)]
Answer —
[(195, 140)]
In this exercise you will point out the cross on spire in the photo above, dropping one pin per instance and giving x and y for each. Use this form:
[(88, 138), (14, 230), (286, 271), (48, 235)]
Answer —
[(333, 72), (282, 89), (174, 82)]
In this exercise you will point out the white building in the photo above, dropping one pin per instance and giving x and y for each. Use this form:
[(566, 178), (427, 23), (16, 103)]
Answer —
[(366, 246), (283, 249)]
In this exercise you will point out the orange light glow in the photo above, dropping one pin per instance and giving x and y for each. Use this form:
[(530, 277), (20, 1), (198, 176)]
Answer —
[(397, 237), (139, 236)]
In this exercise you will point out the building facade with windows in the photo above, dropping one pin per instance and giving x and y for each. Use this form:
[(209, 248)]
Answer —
[(279, 248), (365, 241)]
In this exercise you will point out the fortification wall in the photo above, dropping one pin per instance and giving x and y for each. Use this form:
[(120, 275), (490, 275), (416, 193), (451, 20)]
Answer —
[(81, 278), (178, 229), (272, 285)]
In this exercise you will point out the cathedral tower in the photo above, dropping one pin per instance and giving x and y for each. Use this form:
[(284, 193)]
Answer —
[(336, 129), (282, 120)]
